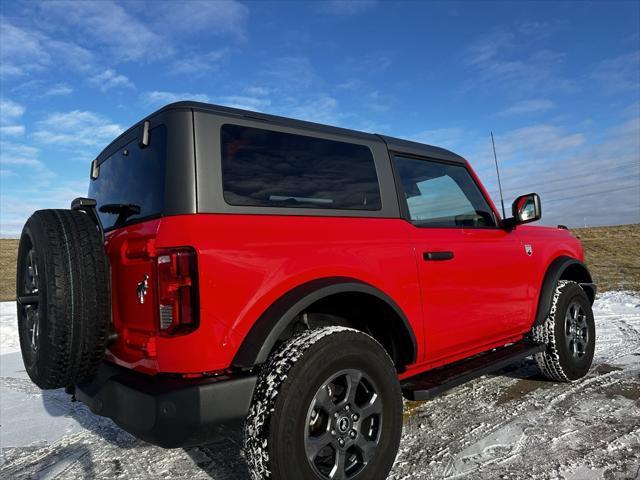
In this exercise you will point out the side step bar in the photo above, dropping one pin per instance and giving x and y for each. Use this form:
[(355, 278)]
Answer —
[(433, 382)]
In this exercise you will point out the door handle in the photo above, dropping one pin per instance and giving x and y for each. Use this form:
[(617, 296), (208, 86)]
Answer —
[(437, 255)]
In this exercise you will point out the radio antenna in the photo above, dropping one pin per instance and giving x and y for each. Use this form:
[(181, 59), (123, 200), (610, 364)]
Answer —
[(495, 159)]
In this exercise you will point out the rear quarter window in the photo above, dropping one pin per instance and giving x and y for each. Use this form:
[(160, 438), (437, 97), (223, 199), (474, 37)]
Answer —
[(275, 169), (135, 176)]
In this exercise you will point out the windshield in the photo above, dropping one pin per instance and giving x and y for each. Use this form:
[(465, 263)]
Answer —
[(130, 185)]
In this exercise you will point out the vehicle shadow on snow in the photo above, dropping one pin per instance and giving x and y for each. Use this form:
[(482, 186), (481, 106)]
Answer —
[(530, 379), (221, 459), (58, 403)]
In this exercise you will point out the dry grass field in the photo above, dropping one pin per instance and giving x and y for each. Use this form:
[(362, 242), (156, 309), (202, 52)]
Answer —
[(8, 254), (613, 256)]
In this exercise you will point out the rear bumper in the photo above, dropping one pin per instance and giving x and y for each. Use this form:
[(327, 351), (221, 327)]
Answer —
[(165, 411)]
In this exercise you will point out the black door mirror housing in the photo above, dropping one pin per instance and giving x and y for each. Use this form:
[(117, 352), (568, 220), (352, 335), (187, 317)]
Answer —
[(525, 209)]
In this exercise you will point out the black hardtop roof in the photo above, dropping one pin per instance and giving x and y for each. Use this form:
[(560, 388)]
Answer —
[(393, 144)]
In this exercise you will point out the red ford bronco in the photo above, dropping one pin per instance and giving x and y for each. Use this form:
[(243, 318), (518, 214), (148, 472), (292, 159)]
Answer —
[(230, 267)]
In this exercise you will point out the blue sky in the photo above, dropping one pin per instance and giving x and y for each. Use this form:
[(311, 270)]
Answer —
[(557, 82)]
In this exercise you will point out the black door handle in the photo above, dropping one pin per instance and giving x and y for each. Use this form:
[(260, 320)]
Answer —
[(437, 255)]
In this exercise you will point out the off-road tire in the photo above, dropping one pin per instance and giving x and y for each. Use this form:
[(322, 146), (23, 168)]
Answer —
[(275, 426), (71, 295), (557, 362)]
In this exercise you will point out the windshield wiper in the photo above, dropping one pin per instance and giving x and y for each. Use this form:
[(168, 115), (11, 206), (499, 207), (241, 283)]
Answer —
[(123, 210)]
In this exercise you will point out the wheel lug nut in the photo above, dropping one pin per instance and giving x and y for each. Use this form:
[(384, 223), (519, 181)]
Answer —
[(333, 432), (347, 408), (336, 415), (354, 417), (341, 442), (353, 434)]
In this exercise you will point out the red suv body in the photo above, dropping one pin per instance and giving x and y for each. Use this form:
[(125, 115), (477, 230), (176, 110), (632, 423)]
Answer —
[(486, 298), (249, 226)]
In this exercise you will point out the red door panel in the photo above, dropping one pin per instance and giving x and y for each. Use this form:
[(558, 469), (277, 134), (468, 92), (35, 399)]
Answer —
[(479, 296)]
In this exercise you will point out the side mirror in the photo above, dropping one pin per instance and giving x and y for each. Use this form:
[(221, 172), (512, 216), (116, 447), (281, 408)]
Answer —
[(525, 209)]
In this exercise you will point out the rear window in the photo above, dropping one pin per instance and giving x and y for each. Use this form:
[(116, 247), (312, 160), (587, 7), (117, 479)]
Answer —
[(274, 169), (132, 176)]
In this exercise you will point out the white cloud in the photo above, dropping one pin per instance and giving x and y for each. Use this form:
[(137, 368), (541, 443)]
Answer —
[(10, 110), (578, 176), (257, 90), (288, 73), (486, 48), (10, 113), (159, 98), (245, 102), (498, 62), (347, 7), (23, 161), (109, 79), (18, 154), (377, 101), (18, 205), (12, 130), (198, 65), (59, 89), (620, 74), (143, 31), (367, 64), (26, 51), (36, 89), (525, 107), (108, 25), (197, 17), (320, 108), (22, 51), (532, 143), (76, 128), (441, 137)]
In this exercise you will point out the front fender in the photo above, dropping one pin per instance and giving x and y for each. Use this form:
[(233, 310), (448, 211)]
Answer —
[(562, 268)]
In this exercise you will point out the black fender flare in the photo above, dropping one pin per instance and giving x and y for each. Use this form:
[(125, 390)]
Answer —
[(562, 268), (264, 334)]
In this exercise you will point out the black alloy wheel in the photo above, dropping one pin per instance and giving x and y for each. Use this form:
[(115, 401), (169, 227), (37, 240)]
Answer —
[(576, 330), (28, 299), (344, 424), (327, 406)]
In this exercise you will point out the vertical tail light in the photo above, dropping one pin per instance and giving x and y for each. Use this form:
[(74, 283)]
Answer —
[(177, 291)]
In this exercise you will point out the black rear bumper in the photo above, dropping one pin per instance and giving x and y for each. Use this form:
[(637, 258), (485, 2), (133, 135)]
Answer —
[(165, 411)]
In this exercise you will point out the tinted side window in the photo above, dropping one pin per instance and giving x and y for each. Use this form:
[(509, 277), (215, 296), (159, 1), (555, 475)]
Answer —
[(442, 195), (275, 169), (135, 176)]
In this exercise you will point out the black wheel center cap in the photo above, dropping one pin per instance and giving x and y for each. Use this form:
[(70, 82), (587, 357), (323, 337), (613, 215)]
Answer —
[(344, 424)]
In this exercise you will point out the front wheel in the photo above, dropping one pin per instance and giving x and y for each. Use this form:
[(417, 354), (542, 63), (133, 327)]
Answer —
[(327, 406), (570, 334)]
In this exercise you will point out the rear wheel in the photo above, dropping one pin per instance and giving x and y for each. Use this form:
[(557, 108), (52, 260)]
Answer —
[(569, 332), (63, 299), (327, 406)]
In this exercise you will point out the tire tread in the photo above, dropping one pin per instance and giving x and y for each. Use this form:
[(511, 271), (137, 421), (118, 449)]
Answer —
[(74, 274), (549, 361)]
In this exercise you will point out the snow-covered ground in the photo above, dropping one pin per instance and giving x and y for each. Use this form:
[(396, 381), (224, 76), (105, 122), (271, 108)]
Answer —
[(511, 425)]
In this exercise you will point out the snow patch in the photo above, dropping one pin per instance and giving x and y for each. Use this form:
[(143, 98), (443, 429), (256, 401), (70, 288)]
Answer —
[(9, 341), (588, 429)]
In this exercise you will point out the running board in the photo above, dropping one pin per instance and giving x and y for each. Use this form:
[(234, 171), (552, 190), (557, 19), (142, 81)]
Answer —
[(433, 382)]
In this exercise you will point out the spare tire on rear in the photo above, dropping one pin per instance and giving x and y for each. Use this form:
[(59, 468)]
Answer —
[(63, 297)]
